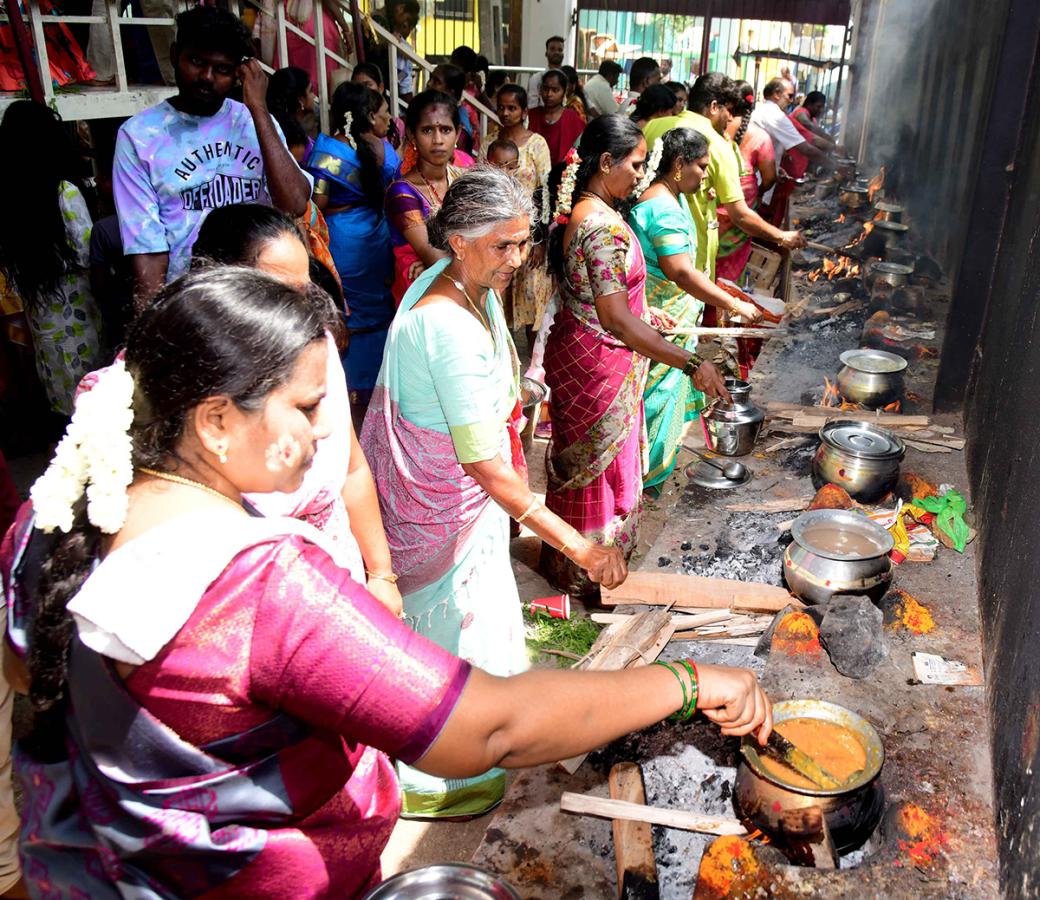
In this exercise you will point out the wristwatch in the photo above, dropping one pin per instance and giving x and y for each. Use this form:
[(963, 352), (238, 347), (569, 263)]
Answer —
[(692, 364)]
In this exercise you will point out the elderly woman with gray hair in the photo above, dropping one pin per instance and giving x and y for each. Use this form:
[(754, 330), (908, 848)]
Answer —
[(441, 439)]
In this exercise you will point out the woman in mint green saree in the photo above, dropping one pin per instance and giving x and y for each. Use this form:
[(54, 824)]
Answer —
[(442, 440), (675, 291)]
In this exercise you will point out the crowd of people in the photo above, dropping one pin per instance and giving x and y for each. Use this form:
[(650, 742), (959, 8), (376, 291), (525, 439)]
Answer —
[(262, 601)]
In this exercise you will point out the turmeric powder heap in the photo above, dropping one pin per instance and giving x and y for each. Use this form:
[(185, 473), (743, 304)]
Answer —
[(835, 748)]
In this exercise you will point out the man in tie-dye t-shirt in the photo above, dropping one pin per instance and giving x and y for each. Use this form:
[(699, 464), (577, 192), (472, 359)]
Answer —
[(199, 150)]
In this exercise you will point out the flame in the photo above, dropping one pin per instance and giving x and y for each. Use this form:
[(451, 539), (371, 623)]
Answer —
[(867, 228), (876, 184), (831, 397), (841, 219), (833, 400), (843, 267)]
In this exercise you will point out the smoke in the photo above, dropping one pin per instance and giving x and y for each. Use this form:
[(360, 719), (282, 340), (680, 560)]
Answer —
[(888, 77)]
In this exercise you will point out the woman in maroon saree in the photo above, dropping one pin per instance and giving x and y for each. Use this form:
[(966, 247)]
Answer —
[(214, 696), (598, 351)]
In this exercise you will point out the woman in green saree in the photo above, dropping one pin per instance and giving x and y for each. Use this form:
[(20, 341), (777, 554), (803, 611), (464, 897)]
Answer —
[(675, 290)]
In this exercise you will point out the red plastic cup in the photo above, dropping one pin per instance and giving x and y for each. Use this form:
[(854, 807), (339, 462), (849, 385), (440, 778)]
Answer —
[(558, 606)]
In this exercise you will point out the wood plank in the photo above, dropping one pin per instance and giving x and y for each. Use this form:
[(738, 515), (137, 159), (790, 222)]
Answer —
[(861, 416), (795, 411), (783, 504), (633, 841), (636, 642), (654, 815), (663, 589), (679, 621), (729, 332)]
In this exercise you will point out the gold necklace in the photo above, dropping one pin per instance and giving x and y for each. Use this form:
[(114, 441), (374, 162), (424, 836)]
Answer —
[(180, 479), (480, 313)]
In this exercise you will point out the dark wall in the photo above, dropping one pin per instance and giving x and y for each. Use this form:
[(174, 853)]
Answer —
[(949, 94), (1002, 414)]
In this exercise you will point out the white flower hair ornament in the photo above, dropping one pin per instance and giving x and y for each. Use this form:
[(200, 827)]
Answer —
[(95, 454), (565, 192), (348, 123), (546, 211), (652, 165)]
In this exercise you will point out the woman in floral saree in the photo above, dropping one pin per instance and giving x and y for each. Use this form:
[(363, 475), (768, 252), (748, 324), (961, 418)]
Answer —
[(214, 696), (442, 442), (599, 349), (666, 232)]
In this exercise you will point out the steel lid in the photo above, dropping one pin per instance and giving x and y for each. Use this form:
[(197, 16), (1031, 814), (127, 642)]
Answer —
[(874, 362), (841, 521), (883, 206), (886, 225), (862, 440), (891, 268)]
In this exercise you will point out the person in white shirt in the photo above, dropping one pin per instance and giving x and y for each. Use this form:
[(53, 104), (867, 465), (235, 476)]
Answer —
[(770, 116), (599, 89), (644, 72), (554, 57)]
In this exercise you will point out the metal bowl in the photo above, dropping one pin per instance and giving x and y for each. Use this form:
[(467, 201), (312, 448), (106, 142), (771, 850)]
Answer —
[(871, 378), (852, 811), (448, 881), (855, 562), (853, 197), (858, 456), (532, 395), (893, 233)]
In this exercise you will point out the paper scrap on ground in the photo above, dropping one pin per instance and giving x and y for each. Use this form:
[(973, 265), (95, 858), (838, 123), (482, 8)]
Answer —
[(932, 669)]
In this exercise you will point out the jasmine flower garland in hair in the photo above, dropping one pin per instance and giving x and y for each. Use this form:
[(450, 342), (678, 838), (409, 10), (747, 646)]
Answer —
[(546, 200), (565, 194), (95, 453), (348, 123), (652, 165)]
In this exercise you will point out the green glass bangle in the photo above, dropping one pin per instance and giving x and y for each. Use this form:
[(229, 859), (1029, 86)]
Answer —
[(676, 716), (694, 685), (692, 364)]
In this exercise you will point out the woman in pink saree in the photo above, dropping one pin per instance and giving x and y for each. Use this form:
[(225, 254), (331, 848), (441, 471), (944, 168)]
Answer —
[(598, 351), (214, 695)]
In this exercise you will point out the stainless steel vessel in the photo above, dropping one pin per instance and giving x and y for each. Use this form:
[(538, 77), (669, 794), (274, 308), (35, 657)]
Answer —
[(837, 551), (871, 378), (853, 197), (860, 457), (888, 212), (893, 233), (449, 881), (731, 429), (852, 811), (890, 273)]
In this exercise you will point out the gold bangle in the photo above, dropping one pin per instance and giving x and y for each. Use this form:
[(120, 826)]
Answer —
[(534, 505), (381, 576)]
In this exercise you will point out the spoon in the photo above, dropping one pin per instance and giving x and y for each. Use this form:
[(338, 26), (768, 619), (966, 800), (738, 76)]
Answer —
[(734, 470)]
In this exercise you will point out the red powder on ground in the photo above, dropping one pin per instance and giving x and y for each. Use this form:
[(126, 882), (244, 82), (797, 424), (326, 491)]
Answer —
[(925, 838)]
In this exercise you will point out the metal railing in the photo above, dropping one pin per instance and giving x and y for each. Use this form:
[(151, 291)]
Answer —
[(396, 46), (78, 101)]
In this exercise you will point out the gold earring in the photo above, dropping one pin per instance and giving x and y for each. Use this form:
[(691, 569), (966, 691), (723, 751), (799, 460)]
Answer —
[(678, 177), (222, 450)]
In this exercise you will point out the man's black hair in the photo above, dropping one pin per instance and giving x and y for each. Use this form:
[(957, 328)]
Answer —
[(713, 86), (642, 69), (209, 28)]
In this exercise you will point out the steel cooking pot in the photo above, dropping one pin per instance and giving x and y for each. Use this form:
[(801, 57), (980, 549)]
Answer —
[(448, 881), (860, 457), (890, 273), (853, 197), (852, 812), (888, 212), (893, 233), (837, 551), (731, 429), (845, 167), (871, 378)]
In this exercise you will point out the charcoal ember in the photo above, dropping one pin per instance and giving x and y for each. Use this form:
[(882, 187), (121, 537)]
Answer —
[(852, 635)]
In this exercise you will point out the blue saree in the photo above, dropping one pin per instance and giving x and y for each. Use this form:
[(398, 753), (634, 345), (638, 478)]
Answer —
[(359, 240)]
